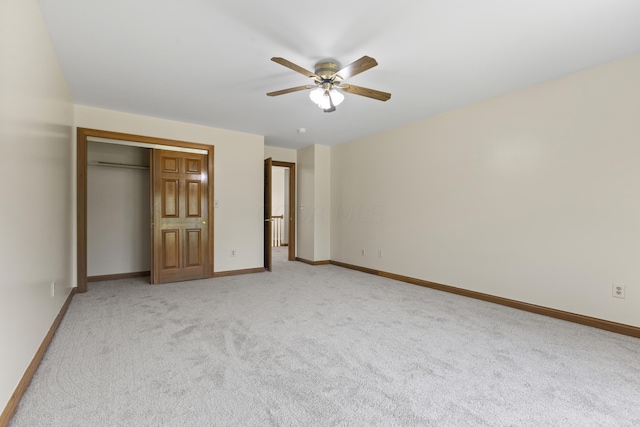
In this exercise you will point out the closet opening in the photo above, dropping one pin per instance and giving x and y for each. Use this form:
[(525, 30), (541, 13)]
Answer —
[(170, 244), (118, 215)]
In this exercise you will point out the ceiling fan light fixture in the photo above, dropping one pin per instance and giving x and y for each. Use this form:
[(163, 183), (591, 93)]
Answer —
[(337, 97), (317, 96), (320, 96)]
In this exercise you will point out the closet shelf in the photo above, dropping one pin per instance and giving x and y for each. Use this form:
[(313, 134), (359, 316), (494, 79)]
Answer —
[(118, 165)]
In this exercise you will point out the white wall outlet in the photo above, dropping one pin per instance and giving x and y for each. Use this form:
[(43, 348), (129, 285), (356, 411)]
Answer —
[(362, 252), (379, 253), (618, 291), (216, 204), (53, 289), (233, 252)]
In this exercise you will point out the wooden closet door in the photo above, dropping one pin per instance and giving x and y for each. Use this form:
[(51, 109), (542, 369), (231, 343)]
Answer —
[(180, 212)]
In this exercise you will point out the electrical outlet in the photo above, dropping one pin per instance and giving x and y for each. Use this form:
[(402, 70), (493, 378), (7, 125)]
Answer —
[(233, 252), (379, 253), (216, 204), (618, 291), (53, 289), (362, 252)]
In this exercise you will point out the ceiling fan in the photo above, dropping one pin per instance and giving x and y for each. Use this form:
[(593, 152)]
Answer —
[(328, 82)]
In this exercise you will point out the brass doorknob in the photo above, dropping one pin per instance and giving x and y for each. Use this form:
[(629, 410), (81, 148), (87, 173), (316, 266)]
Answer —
[(204, 222)]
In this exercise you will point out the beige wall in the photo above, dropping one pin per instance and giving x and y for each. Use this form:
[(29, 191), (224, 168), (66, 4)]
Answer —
[(322, 203), (280, 154), (36, 118), (531, 196), (314, 213), (306, 201), (238, 178)]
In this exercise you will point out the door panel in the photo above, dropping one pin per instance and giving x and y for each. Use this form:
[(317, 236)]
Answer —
[(194, 196), (194, 248), (170, 249), (170, 164), (170, 197), (180, 207), (194, 166)]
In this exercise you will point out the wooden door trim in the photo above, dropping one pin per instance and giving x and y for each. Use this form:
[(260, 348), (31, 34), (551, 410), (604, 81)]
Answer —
[(81, 187), (292, 205), (268, 201)]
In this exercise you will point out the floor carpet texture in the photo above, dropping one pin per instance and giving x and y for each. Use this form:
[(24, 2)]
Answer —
[(323, 346)]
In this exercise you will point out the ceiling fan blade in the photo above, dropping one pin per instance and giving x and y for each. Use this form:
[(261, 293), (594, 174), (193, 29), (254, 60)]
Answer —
[(363, 91), (357, 67), (291, 89), (295, 67)]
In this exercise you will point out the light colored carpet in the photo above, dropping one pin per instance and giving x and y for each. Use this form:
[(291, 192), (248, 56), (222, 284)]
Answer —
[(323, 346)]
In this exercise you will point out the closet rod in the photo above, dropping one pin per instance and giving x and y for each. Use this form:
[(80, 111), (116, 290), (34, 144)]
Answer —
[(118, 165)]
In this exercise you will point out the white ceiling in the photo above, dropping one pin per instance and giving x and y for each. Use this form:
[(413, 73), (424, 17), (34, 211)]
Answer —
[(208, 62)]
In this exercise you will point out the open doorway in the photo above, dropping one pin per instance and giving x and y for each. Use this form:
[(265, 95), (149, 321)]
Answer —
[(279, 211), (280, 236)]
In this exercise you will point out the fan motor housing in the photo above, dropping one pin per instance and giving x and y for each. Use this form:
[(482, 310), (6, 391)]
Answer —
[(326, 69)]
